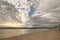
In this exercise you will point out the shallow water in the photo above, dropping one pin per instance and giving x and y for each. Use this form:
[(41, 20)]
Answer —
[(15, 32)]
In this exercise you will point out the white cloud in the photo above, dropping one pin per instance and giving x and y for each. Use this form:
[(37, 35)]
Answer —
[(50, 10)]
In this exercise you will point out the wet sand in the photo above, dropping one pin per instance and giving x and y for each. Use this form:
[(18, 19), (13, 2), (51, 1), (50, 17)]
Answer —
[(5, 33), (53, 34)]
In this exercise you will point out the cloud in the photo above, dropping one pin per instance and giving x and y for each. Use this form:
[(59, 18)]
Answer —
[(48, 17), (38, 21), (8, 12)]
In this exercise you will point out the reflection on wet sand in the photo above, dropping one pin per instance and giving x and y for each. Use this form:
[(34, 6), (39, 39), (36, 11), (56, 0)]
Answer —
[(4, 33)]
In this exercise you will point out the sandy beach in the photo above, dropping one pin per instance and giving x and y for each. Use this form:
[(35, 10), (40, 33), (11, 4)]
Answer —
[(53, 34)]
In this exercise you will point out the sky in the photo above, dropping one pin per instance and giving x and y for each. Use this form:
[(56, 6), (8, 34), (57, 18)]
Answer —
[(40, 13), (50, 11)]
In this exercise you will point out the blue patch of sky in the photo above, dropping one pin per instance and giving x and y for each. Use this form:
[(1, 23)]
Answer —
[(32, 9)]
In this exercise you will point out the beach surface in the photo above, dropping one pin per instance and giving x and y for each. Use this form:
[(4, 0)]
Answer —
[(53, 34)]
